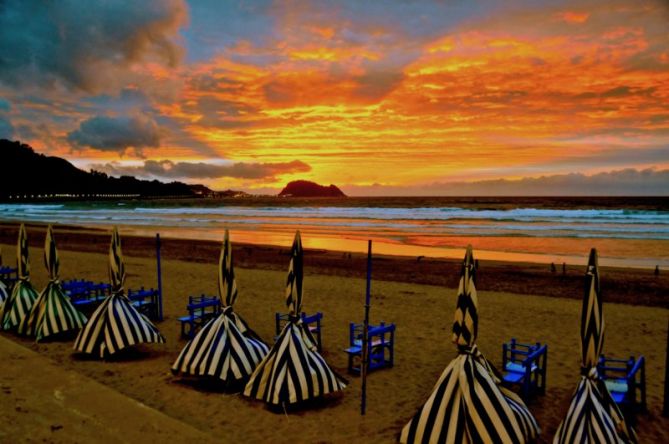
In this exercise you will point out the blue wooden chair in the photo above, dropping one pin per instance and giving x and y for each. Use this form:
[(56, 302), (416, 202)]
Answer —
[(524, 365), (310, 322), (146, 301), (9, 276), (200, 310), (624, 378), (85, 294), (380, 343)]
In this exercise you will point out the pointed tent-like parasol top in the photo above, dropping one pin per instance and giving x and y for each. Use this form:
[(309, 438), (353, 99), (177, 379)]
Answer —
[(593, 416), (23, 261), (295, 277), (3, 288), (116, 265), (51, 260), (466, 320), (592, 316), (227, 286)]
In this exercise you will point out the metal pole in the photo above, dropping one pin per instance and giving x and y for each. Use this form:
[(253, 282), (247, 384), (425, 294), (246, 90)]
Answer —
[(665, 409), (365, 330), (160, 280)]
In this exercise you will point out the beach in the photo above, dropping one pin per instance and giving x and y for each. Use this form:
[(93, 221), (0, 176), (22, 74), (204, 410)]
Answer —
[(420, 301)]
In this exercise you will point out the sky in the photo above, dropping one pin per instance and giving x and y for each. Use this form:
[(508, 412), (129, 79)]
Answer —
[(379, 98)]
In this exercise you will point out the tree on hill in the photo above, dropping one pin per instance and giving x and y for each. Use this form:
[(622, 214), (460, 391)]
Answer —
[(27, 173)]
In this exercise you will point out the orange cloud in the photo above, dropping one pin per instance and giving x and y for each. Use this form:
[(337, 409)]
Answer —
[(573, 17)]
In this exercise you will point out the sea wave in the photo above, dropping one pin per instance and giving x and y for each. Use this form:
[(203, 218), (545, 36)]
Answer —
[(423, 221)]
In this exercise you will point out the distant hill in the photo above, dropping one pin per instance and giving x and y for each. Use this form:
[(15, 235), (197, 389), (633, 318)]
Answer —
[(27, 175), (304, 188)]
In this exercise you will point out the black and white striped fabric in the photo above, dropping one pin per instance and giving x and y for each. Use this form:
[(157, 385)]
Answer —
[(52, 312), (293, 371), (115, 324), (4, 293), (23, 295), (295, 277), (468, 403), (226, 348), (593, 416)]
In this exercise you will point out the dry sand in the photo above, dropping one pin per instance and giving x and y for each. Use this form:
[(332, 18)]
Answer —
[(423, 315)]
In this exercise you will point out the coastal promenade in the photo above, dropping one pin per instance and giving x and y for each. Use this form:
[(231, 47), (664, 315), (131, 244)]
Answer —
[(41, 401)]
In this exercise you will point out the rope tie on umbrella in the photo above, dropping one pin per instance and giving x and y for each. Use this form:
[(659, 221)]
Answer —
[(227, 310), (466, 350), (590, 373)]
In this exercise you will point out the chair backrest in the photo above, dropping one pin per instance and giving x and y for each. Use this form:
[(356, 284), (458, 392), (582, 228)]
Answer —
[(537, 357), (514, 351), (312, 318), (202, 301), (615, 368)]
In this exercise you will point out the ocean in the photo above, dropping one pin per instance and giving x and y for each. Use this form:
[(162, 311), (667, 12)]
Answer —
[(632, 232)]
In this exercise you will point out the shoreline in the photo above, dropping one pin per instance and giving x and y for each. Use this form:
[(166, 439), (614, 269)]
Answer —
[(619, 285)]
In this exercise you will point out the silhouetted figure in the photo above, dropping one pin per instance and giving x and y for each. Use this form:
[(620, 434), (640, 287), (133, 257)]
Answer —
[(419, 258), (553, 269), (657, 270), (564, 268), (476, 264)]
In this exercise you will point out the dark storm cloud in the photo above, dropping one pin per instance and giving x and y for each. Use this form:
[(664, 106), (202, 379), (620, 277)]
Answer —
[(84, 45), (203, 170), (116, 133)]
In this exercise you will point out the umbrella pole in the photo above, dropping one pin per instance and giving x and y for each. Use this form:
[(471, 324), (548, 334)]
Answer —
[(665, 409), (160, 280), (365, 330)]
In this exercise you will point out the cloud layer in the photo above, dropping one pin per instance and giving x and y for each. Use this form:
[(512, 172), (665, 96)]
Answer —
[(202, 170), (627, 182)]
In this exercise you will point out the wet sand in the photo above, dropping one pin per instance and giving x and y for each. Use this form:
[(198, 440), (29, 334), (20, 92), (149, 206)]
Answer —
[(625, 285), (423, 315)]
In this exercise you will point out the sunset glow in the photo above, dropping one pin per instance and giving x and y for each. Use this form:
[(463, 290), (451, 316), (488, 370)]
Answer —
[(395, 99)]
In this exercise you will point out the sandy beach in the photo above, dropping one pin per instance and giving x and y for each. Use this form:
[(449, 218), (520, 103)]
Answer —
[(530, 304)]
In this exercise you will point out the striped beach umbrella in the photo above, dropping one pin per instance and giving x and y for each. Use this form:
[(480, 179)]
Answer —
[(293, 371), (468, 403), (23, 295), (115, 324), (593, 416), (225, 348), (4, 294), (52, 312)]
